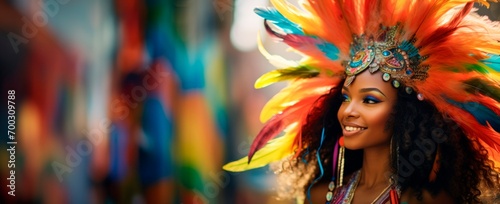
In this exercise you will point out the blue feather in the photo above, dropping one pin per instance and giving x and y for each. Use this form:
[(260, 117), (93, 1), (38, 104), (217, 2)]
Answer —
[(272, 15), (294, 32), (493, 62), (482, 113), (330, 50)]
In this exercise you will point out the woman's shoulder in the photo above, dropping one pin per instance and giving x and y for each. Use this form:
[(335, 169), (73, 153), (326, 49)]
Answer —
[(409, 196)]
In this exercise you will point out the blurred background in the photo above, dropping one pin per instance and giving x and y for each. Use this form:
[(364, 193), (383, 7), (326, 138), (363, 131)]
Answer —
[(133, 101)]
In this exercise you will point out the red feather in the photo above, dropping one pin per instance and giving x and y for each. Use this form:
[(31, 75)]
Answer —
[(440, 35), (279, 122), (270, 130)]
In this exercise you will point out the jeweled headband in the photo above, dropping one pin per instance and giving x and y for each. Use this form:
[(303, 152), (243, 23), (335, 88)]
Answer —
[(399, 61)]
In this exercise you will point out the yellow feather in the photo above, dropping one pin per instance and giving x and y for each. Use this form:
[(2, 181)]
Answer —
[(274, 150), (275, 60), (267, 79), (492, 74), (296, 91), (291, 12)]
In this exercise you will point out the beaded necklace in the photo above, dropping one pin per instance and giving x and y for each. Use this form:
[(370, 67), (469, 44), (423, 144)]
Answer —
[(345, 195)]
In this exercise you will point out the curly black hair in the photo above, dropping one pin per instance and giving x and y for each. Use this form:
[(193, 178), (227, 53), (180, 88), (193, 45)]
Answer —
[(422, 134), (422, 138)]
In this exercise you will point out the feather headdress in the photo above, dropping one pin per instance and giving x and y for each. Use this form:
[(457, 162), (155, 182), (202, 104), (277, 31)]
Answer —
[(441, 49)]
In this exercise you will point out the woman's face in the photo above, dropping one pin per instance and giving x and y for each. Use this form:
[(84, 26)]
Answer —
[(367, 104)]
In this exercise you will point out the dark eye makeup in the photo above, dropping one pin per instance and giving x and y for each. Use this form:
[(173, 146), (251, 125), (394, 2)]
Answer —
[(367, 99), (371, 100)]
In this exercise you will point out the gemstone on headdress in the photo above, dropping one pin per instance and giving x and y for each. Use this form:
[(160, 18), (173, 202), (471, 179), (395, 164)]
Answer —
[(420, 97), (408, 90), (373, 67), (361, 59), (355, 63), (386, 76), (395, 83), (393, 62)]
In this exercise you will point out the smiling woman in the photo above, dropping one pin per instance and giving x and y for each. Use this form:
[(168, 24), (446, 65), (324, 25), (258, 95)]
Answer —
[(394, 102)]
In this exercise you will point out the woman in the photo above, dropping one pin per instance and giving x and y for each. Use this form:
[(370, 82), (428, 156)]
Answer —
[(394, 101), (376, 119)]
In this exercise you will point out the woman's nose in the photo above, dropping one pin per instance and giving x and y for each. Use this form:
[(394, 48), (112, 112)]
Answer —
[(350, 110)]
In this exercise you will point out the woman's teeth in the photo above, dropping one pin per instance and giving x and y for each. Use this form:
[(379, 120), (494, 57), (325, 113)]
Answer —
[(350, 129)]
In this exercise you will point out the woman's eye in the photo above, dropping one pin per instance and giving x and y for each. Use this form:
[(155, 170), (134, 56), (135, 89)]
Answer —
[(345, 98), (371, 100)]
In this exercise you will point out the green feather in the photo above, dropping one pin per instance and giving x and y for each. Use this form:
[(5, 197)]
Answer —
[(486, 88), (478, 68)]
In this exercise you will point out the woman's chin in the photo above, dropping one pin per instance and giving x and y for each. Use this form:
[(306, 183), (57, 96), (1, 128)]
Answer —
[(352, 146)]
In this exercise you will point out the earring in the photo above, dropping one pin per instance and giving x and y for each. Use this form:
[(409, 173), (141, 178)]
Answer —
[(338, 168), (340, 165), (394, 193)]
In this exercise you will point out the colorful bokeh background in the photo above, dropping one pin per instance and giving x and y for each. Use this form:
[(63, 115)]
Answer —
[(133, 101)]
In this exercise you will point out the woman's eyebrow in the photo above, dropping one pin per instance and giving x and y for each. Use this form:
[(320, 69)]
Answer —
[(364, 90)]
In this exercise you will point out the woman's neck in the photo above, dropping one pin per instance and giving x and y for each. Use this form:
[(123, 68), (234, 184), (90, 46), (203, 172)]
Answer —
[(376, 167)]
